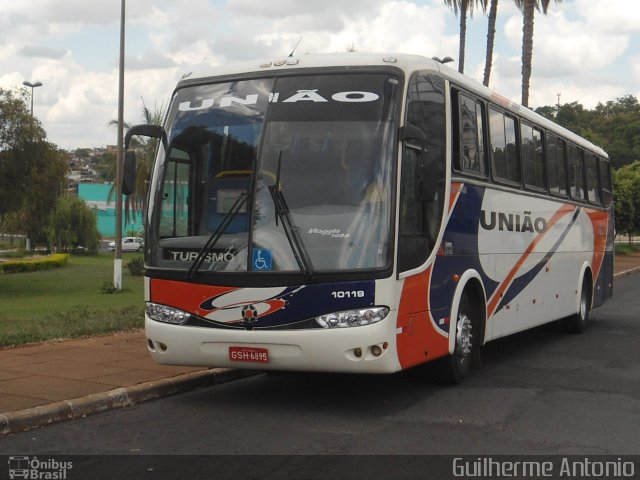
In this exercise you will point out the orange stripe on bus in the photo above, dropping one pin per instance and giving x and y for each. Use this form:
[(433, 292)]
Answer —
[(183, 295), (599, 223), (417, 338), (495, 298), (456, 188)]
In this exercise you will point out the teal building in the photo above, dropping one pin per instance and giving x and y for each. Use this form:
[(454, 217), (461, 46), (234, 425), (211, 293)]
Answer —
[(96, 196)]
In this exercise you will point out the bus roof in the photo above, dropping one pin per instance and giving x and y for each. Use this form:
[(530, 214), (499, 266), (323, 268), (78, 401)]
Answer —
[(350, 59), (405, 62)]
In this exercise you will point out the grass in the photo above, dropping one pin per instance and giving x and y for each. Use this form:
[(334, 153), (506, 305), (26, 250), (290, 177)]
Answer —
[(69, 301), (627, 248)]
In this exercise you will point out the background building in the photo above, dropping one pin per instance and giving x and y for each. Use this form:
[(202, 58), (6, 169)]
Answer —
[(96, 196)]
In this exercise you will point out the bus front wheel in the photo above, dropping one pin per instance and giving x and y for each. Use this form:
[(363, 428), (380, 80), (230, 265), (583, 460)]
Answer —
[(453, 368)]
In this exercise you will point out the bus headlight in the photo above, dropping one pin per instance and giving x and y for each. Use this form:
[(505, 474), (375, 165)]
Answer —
[(164, 314), (352, 318)]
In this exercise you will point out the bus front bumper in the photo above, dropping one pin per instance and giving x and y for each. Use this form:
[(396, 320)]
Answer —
[(363, 349)]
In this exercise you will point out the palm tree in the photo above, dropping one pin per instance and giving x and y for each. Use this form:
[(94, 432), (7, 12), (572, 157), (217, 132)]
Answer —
[(465, 6), (491, 33), (145, 151), (528, 7)]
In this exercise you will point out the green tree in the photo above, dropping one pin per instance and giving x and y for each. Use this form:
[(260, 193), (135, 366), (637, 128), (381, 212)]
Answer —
[(16, 131), (614, 125), (45, 184), (627, 199), (465, 7), (82, 152), (547, 111), (72, 224), (106, 166), (624, 208), (528, 8), (32, 169)]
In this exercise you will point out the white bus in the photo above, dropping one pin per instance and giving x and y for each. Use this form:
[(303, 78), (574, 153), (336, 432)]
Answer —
[(364, 213)]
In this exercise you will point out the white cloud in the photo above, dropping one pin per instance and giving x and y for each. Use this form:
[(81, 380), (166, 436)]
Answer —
[(581, 48), (568, 47), (315, 9), (37, 51), (389, 30), (573, 48), (611, 16), (635, 62), (149, 59)]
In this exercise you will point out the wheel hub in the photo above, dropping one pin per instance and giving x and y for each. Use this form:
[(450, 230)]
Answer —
[(463, 337)]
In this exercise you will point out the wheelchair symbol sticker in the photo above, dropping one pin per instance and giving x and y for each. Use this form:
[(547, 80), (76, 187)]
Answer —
[(262, 259)]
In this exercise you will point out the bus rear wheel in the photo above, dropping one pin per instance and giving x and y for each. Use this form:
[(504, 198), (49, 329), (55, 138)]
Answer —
[(453, 368), (577, 323)]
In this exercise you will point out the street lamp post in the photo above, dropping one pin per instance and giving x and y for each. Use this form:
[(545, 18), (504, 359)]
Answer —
[(117, 263), (32, 85)]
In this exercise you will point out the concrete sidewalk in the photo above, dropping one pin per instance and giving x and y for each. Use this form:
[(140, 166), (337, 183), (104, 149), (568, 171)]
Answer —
[(54, 381)]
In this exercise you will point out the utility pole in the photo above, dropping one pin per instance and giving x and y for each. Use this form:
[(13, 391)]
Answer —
[(117, 264)]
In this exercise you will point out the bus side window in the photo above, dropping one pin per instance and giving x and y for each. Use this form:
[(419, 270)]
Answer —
[(556, 166), (420, 219), (470, 156), (575, 162), (532, 156), (605, 182), (593, 180), (504, 152)]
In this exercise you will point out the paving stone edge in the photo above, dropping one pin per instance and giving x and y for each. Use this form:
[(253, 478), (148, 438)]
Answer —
[(22, 420)]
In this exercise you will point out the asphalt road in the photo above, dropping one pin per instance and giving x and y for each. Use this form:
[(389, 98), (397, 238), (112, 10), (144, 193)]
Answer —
[(539, 392)]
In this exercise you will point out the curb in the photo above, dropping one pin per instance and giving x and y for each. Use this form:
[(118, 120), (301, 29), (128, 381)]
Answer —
[(22, 420), (626, 272)]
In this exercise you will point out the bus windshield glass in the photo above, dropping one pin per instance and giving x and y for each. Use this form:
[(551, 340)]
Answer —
[(283, 174)]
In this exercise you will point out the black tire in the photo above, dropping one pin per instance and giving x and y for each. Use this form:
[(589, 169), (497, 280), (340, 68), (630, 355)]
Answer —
[(453, 369), (577, 323)]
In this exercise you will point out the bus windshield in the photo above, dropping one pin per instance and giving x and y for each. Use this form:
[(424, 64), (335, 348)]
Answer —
[(282, 174)]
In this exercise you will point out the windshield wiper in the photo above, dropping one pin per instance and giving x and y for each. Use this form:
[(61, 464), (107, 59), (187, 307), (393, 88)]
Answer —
[(290, 229), (215, 236)]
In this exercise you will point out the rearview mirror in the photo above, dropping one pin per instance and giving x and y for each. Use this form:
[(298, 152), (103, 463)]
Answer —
[(146, 130), (129, 173), (129, 167)]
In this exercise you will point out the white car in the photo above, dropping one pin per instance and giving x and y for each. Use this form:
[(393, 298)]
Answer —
[(129, 244)]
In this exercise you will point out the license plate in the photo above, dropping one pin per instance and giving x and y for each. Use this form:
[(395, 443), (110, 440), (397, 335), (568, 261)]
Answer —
[(249, 354)]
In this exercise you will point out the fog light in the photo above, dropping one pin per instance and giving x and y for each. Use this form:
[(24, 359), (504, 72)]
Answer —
[(357, 352), (150, 344), (162, 346), (376, 351)]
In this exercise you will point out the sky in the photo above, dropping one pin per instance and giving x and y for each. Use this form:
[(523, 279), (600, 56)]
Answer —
[(585, 51)]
